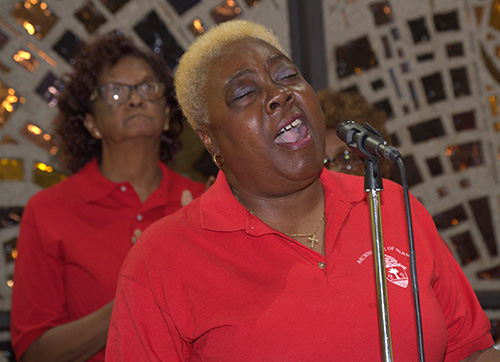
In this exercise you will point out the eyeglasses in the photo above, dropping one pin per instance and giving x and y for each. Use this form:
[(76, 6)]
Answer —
[(116, 93), (346, 160)]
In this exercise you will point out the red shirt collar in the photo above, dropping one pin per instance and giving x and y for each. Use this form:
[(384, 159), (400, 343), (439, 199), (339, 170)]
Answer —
[(92, 185)]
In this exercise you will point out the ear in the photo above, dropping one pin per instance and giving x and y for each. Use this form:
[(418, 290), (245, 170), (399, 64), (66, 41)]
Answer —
[(207, 139), (91, 126)]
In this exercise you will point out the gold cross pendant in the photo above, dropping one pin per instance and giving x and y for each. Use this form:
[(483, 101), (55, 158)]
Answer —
[(312, 239)]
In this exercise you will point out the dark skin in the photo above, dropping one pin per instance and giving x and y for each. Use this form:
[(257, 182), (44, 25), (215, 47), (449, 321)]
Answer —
[(130, 134), (254, 91)]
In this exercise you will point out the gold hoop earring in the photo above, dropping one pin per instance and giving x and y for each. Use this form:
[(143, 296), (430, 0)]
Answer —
[(215, 158)]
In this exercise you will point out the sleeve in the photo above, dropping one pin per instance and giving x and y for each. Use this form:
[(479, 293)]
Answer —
[(140, 330), (468, 327), (38, 301)]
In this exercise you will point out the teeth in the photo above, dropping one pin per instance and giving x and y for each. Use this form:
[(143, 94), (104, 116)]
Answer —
[(294, 124)]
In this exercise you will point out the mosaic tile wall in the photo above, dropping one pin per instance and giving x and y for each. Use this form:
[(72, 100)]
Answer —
[(432, 65), (38, 42)]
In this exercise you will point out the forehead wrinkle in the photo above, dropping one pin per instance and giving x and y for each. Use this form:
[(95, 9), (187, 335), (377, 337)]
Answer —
[(276, 57), (119, 77)]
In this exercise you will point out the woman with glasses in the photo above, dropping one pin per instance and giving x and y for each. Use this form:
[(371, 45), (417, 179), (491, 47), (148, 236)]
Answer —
[(338, 106), (118, 129)]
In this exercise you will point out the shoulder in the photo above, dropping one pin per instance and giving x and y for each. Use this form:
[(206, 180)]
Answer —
[(177, 225), (178, 183), (170, 240), (52, 193)]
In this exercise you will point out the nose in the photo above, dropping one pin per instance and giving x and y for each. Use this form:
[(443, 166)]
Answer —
[(135, 98), (278, 97)]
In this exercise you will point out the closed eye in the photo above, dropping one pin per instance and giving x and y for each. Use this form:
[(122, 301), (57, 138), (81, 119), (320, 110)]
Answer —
[(286, 72), (242, 93), (289, 75)]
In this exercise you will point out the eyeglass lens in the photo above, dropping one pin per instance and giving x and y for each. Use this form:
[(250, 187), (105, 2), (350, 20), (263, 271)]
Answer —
[(114, 93), (345, 160)]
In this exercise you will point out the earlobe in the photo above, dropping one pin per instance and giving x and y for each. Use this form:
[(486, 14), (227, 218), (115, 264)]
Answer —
[(89, 124)]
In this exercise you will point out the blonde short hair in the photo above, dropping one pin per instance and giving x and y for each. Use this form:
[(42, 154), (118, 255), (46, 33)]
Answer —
[(191, 75)]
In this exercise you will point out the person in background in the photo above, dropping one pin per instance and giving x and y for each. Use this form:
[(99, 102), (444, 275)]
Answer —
[(273, 262), (118, 127), (338, 106)]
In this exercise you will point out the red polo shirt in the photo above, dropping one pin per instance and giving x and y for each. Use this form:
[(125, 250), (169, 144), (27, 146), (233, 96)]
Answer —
[(73, 239), (214, 283)]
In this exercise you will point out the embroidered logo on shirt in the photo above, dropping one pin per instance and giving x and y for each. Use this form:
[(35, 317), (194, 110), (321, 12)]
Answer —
[(395, 272)]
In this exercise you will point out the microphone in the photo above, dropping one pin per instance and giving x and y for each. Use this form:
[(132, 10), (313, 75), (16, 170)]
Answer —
[(366, 140)]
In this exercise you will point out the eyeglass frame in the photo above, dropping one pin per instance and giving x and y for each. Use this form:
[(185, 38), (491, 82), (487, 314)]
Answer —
[(98, 91), (339, 167)]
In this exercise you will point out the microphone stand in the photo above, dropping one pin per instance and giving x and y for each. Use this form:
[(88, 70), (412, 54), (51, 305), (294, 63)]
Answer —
[(357, 137), (373, 186)]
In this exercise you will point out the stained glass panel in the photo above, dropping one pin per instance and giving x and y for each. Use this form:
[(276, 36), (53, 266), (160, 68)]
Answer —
[(68, 46), (45, 175), (181, 6), (465, 155), (35, 17), (382, 13), (39, 137), (49, 89), (450, 218), (465, 248), (156, 35), (419, 31), (114, 5), (427, 130), (90, 16), (354, 57), (433, 86), (26, 60), (446, 21), (11, 169), (10, 216), (225, 11)]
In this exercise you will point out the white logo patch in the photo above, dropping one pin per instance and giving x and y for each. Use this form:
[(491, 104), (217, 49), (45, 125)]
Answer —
[(395, 272)]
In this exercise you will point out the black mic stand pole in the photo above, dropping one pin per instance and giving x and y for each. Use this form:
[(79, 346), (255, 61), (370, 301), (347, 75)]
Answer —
[(373, 186)]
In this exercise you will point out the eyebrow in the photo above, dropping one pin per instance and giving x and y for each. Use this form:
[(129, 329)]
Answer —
[(146, 78), (237, 75), (244, 72)]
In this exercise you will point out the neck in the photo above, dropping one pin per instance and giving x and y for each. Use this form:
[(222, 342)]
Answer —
[(298, 212), (137, 165)]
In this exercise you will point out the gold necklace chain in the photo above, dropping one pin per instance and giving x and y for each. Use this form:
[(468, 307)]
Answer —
[(311, 236)]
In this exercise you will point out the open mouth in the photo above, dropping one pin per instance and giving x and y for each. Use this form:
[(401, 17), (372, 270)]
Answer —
[(292, 133)]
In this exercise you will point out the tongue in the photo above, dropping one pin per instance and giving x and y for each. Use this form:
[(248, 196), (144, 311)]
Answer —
[(292, 136)]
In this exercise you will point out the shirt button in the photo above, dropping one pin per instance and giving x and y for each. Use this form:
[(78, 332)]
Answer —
[(139, 217), (321, 265), (123, 188)]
